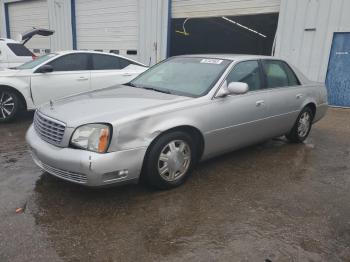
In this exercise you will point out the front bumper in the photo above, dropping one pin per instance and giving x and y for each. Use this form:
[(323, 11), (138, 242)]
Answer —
[(85, 167)]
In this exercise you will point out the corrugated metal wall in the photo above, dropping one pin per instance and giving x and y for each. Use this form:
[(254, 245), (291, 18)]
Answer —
[(210, 8), (60, 21), (153, 19), (305, 32)]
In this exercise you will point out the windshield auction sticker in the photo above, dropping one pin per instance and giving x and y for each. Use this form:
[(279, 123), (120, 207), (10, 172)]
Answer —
[(211, 61)]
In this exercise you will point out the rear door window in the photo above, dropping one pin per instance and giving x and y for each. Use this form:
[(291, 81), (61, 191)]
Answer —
[(124, 63), (278, 74), (108, 62), (19, 49), (71, 62)]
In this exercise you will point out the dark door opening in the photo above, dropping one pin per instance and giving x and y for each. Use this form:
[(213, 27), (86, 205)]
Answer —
[(249, 34)]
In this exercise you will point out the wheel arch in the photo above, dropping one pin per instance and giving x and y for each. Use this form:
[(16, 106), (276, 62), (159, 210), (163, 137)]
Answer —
[(312, 106), (189, 129), (194, 132)]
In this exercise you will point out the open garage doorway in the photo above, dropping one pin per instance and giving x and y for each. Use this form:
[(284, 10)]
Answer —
[(249, 34)]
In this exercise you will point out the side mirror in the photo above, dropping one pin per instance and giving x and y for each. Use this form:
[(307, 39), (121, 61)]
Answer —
[(45, 69), (237, 88), (233, 88)]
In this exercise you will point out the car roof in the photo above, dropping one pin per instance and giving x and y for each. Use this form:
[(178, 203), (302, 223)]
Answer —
[(232, 57), (88, 51)]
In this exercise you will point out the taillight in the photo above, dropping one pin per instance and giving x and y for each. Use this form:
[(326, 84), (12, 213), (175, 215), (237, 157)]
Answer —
[(34, 57)]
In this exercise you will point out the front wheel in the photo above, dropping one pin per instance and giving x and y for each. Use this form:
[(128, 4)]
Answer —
[(9, 105), (170, 160), (302, 126)]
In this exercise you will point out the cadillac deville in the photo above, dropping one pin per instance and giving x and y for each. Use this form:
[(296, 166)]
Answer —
[(182, 110)]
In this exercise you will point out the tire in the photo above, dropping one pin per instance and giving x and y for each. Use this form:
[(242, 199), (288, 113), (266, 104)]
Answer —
[(169, 160), (10, 105), (302, 126)]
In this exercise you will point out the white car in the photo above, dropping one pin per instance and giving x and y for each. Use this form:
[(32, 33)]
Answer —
[(61, 74), (14, 53)]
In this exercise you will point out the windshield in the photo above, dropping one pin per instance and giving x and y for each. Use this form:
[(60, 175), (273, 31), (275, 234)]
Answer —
[(188, 76), (33, 63)]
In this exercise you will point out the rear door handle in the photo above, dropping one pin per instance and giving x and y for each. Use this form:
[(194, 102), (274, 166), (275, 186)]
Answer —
[(82, 78), (260, 103), (298, 96)]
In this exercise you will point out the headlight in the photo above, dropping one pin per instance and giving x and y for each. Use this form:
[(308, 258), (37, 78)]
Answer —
[(92, 137)]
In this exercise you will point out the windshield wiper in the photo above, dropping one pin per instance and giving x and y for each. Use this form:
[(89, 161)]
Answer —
[(155, 89), (130, 84), (148, 88)]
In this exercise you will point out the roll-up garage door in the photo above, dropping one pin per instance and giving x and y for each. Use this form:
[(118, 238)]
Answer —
[(107, 25), (215, 8), (23, 16)]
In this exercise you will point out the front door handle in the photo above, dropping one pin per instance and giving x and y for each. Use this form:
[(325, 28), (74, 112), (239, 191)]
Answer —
[(82, 78), (260, 103), (298, 96)]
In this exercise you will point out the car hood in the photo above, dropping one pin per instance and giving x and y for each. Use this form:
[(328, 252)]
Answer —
[(107, 105), (14, 72)]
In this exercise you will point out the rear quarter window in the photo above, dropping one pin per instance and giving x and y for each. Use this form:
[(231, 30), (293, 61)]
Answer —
[(109, 62), (292, 78), (19, 49)]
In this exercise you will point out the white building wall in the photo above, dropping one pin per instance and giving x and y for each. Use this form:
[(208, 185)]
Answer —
[(52, 14), (122, 25), (2, 20), (107, 25), (210, 8), (24, 15), (305, 32)]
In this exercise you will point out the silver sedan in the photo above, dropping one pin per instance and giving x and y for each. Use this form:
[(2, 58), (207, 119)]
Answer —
[(180, 111)]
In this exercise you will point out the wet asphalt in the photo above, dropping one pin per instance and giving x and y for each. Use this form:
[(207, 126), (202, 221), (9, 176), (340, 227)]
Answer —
[(271, 202)]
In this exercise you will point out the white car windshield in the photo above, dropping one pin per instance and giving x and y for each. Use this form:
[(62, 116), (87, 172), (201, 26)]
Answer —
[(188, 76), (35, 62)]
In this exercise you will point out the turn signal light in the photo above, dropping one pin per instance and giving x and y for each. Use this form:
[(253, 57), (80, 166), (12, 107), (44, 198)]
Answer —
[(103, 142)]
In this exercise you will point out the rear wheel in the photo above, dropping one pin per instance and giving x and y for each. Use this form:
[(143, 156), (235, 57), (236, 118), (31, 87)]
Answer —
[(9, 105), (302, 126), (170, 160)]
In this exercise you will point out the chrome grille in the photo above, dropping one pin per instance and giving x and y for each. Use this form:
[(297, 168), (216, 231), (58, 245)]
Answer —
[(48, 129), (67, 175)]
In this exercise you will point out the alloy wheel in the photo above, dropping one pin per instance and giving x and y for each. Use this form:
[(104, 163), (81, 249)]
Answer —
[(7, 104), (304, 124)]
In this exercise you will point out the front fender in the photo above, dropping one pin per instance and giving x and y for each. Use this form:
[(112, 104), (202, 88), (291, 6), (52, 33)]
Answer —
[(141, 132), (22, 85)]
